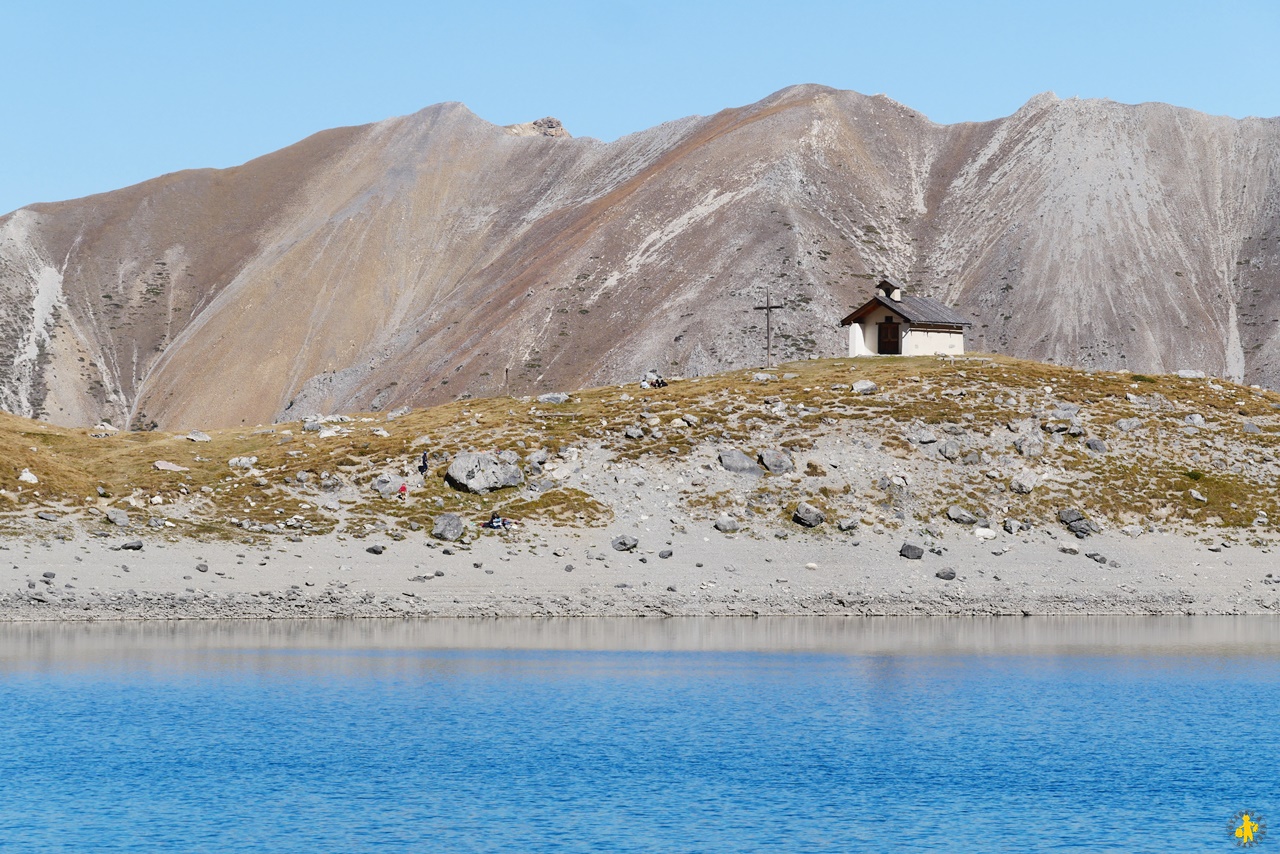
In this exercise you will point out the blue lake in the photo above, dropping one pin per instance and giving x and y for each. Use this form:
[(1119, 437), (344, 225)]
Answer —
[(806, 734)]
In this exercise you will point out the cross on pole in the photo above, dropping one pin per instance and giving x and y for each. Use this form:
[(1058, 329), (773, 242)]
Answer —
[(768, 308)]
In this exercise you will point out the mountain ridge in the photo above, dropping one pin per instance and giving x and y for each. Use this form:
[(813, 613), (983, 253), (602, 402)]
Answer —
[(436, 255)]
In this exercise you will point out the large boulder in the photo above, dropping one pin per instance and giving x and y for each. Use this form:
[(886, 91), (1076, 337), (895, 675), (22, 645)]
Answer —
[(734, 460), (387, 485), (481, 473), (777, 462), (117, 517), (864, 387), (958, 514), (726, 524)]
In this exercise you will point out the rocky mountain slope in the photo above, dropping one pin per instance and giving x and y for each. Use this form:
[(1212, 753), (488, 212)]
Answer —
[(436, 256)]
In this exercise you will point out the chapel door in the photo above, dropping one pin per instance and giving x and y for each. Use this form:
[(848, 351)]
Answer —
[(890, 343)]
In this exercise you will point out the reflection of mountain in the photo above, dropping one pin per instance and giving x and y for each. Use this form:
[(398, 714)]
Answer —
[(425, 257)]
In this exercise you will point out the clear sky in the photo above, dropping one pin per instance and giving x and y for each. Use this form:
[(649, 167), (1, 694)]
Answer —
[(99, 95)]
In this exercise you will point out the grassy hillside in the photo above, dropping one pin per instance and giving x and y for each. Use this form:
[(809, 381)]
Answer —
[(1145, 475)]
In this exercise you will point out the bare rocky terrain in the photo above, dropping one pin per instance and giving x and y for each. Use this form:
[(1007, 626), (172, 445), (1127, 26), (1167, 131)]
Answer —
[(435, 257), (875, 486)]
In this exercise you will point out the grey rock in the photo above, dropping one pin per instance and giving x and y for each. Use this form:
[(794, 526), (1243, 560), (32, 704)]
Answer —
[(47, 516), (132, 545), (735, 461), (481, 473), (726, 524), (1024, 481), (956, 513), (624, 543), (555, 397), (777, 462), (633, 432), (387, 485), (155, 522), (665, 553), (538, 457), (911, 551), (1196, 494), (1029, 446), (1128, 425), (1056, 426), (398, 413), (199, 436), (808, 515), (448, 527), (49, 574), (864, 387), (762, 377), (117, 517), (925, 437), (949, 450), (1067, 515), (375, 549), (1190, 375), (1013, 526), (242, 462), (849, 524), (510, 457), (947, 574), (1251, 428), (1096, 445), (202, 567), (1195, 419), (1066, 410)]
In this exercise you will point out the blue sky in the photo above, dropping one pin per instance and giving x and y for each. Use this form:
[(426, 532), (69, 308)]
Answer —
[(101, 95)]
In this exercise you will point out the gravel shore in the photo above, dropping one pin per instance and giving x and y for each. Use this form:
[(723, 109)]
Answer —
[(565, 572)]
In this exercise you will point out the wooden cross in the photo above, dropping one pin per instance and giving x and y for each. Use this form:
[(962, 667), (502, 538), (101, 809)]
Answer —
[(768, 308)]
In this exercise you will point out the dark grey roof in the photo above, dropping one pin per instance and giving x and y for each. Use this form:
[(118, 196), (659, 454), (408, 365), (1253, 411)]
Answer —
[(913, 309)]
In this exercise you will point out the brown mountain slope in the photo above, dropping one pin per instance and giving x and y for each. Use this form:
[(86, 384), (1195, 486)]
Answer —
[(436, 255)]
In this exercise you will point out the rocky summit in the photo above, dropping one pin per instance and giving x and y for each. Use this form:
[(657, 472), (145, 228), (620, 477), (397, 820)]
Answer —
[(437, 257)]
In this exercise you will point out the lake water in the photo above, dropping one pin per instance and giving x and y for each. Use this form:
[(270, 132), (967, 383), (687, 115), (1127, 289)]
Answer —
[(806, 734)]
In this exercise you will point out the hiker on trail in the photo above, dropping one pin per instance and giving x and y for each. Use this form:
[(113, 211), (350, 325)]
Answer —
[(422, 466), (404, 491)]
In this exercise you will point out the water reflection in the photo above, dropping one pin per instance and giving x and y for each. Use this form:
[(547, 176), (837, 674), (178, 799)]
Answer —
[(179, 644)]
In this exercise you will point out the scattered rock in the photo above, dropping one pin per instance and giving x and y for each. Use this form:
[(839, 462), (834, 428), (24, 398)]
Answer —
[(199, 436), (481, 473), (777, 462), (1190, 375), (984, 533), (1198, 496), (624, 543), (132, 546), (947, 574), (47, 516), (727, 524), (117, 517), (911, 551), (28, 477), (850, 524), (1029, 446), (956, 513), (633, 432), (1024, 481), (1069, 550), (448, 527), (1195, 419), (202, 567), (1128, 425), (1251, 428), (864, 387), (949, 450), (665, 553), (735, 461), (555, 397), (1096, 445), (242, 462), (375, 549), (808, 515)]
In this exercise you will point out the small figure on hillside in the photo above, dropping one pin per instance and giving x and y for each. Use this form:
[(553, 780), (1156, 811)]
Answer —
[(653, 379), (422, 466), (404, 491)]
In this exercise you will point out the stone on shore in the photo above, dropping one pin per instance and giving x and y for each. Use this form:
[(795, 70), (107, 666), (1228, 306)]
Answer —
[(808, 515), (726, 524), (624, 543), (117, 517), (777, 462), (735, 461), (911, 551), (448, 527)]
